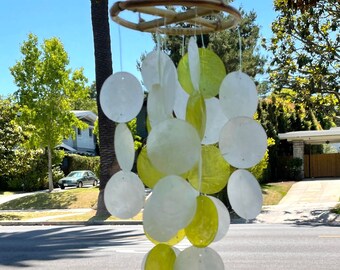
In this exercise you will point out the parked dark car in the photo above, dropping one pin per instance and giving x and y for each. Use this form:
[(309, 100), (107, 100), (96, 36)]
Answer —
[(78, 179)]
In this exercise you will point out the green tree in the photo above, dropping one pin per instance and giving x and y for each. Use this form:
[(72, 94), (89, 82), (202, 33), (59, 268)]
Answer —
[(306, 52), (46, 91), (16, 160), (87, 103), (280, 114), (103, 64), (12, 137), (226, 45)]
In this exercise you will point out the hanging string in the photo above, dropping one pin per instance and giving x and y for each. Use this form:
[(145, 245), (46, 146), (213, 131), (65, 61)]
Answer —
[(240, 47), (183, 44), (164, 43), (202, 38), (120, 49), (195, 23), (158, 38)]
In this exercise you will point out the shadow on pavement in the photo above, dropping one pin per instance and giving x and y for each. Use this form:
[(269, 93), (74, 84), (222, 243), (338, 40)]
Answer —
[(316, 218), (18, 248)]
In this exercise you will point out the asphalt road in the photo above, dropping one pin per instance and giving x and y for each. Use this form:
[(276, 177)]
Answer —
[(246, 246)]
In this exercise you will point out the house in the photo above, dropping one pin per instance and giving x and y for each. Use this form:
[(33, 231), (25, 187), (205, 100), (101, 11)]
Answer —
[(315, 165), (84, 141)]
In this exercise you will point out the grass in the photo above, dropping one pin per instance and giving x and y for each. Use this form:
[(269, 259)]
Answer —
[(336, 209), (91, 216), (51, 216), (87, 198), (6, 193), (274, 192), (16, 216), (69, 199)]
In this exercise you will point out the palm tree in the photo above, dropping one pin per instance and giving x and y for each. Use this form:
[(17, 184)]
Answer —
[(103, 64)]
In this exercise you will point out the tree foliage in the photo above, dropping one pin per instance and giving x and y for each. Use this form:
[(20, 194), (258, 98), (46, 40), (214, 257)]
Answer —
[(279, 114), (46, 91), (12, 137), (226, 45), (88, 102), (20, 168), (306, 50)]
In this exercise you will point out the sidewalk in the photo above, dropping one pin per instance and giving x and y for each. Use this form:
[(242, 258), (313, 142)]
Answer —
[(307, 202), (7, 198)]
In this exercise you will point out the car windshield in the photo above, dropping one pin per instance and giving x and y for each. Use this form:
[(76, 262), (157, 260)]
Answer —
[(75, 174)]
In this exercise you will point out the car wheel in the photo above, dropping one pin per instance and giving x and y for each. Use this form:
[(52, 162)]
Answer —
[(80, 185), (62, 187), (95, 183)]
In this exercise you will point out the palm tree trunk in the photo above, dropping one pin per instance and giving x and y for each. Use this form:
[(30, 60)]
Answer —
[(103, 63)]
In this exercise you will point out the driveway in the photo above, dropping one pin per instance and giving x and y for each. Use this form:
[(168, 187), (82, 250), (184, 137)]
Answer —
[(307, 202)]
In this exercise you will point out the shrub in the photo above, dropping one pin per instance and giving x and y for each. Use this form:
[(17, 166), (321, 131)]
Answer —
[(34, 177), (294, 168), (260, 170), (74, 162), (57, 174)]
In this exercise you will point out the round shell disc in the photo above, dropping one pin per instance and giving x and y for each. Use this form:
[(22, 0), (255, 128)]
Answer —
[(124, 147), (215, 171), (121, 97), (194, 63), (193, 258), (173, 146), (170, 208), (180, 102), (153, 67), (146, 171), (238, 95), (124, 195), (243, 142), (245, 195), (223, 218), (212, 73), (215, 121)]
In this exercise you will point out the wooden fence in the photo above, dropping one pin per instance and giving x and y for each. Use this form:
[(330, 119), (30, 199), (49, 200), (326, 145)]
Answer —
[(322, 165)]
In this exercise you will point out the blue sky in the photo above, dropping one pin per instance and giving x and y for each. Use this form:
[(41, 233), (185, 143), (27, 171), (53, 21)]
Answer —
[(70, 20)]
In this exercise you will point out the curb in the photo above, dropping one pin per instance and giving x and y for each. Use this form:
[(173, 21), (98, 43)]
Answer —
[(70, 223)]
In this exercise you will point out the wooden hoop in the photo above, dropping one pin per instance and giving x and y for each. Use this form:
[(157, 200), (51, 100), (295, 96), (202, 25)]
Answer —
[(193, 16)]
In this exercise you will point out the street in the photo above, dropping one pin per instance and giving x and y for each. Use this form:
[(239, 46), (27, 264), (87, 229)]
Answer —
[(246, 246)]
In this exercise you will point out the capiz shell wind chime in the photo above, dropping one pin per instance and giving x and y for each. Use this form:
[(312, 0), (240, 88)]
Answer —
[(200, 127)]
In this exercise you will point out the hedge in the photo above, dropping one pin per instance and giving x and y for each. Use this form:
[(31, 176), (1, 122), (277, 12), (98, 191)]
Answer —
[(74, 162)]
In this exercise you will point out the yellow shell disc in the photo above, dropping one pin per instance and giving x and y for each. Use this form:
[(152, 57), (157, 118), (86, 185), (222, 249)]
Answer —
[(215, 171), (146, 171), (212, 73), (203, 227), (161, 257)]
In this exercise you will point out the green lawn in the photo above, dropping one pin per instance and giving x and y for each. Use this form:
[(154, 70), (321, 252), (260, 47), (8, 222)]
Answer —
[(87, 198), (69, 199), (274, 192), (22, 216)]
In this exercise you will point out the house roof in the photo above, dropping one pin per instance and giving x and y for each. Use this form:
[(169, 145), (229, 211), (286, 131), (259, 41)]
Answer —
[(85, 115), (313, 136), (66, 147)]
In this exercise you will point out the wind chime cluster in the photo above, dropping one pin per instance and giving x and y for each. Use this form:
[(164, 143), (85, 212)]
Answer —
[(202, 135)]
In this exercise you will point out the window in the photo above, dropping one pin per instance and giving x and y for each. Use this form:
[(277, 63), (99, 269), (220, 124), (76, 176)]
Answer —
[(90, 132), (79, 131)]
